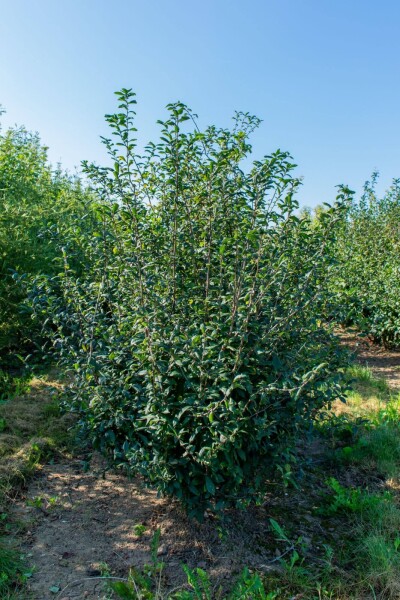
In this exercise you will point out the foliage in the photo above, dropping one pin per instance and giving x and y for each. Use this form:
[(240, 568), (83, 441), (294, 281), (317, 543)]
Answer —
[(194, 330), (147, 584), (366, 285), (33, 199), (353, 500), (12, 386), (12, 574), (249, 586)]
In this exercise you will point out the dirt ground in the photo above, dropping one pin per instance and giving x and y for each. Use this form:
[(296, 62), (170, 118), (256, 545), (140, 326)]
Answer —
[(383, 363), (85, 524), (80, 522)]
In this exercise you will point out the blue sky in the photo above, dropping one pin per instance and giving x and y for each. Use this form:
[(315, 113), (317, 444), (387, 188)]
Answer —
[(323, 75)]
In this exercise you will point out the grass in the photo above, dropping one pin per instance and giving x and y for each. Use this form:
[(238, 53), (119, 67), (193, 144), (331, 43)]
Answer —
[(368, 393), (32, 428), (364, 437), (12, 571), (372, 418)]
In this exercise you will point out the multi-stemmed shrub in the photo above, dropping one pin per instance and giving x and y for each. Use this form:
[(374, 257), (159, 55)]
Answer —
[(194, 331), (366, 282)]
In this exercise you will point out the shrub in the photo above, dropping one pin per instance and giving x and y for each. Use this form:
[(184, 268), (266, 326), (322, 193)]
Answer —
[(366, 286), (194, 331), (34, 199)]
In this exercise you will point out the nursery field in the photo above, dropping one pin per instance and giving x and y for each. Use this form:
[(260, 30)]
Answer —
[(199, 379)]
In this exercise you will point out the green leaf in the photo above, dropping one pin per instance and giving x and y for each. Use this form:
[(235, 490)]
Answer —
[(54, 589), (210, 486), (278, 531)]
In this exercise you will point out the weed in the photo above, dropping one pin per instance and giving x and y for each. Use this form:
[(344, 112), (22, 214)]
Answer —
[(104, 569), (353, 500), (363, 378), (389, 413), (341, 428), (382, 562), (148, 585), (379, 450), (11, 386), (35, 502), (12, 572), (41, 502), (139, 529)]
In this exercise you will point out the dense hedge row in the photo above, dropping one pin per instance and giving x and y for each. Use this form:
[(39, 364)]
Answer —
[(366, 285), (38, 205)]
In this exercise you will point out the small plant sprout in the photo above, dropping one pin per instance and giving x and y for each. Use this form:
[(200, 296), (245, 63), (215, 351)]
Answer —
[(139, 529)]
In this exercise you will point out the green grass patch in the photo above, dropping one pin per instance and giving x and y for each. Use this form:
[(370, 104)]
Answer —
[(32, 428), (362, 494), (13, 572), (12, 385), (368, 392)]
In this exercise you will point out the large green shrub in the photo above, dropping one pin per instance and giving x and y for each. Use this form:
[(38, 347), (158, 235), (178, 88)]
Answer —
[(37, 205), (366, 284), (195, 330)]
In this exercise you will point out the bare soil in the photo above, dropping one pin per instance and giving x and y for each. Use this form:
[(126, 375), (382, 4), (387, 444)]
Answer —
[(382, 362), (80, 522), (86, 520)]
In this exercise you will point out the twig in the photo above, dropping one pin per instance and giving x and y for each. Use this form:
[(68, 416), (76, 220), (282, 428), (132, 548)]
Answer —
[(278, 557), (90, 579)]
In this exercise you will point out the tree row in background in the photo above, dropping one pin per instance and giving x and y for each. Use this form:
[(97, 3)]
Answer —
[(39, 210), (366, 283)]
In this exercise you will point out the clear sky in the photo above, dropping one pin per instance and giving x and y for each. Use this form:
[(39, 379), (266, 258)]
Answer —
[(324, 75)]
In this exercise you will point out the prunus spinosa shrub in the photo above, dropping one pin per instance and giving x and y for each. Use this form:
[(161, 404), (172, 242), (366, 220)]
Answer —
[(195, 331)]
